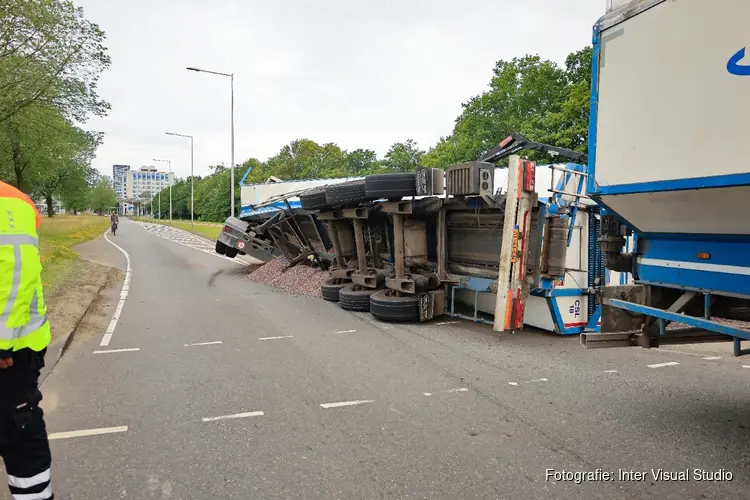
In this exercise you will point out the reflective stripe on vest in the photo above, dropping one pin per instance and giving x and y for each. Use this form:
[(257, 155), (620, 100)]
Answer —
[(23, 320)]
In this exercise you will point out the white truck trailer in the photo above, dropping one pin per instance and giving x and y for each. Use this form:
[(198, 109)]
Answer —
[(670, 116)]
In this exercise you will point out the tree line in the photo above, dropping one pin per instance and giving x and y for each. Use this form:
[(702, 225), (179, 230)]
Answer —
[(51, 58), (540, 99)]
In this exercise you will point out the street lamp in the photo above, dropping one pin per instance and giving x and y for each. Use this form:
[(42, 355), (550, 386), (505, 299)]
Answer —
[(192, 179), (231, 174), (169, 162)]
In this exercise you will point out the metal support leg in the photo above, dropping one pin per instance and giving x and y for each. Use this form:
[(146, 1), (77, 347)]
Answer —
[(707, 306), (333, 230), (398, 246), (441, 242), (359, 238), (737, 347)]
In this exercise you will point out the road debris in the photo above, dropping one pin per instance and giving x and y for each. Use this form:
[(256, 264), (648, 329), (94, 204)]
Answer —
[(301, 279)]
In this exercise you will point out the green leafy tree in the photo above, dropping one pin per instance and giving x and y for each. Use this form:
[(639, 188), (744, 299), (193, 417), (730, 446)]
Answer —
[(103, 197), (403, 157), (521, 92), (362, 162), (50, 54)]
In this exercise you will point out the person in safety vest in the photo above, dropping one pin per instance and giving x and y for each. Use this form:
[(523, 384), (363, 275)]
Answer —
[(24, 337)]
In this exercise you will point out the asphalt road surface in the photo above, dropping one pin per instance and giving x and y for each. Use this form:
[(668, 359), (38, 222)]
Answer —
[(332, 405)]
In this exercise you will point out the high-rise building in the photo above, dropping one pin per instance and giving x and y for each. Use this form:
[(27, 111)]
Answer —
[(146, 181), (119, 180)]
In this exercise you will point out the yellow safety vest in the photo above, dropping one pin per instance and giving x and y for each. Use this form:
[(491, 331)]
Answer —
[(23, 313)]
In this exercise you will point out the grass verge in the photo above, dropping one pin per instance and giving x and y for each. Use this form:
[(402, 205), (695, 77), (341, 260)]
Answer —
[(57, 237), (208, 230)]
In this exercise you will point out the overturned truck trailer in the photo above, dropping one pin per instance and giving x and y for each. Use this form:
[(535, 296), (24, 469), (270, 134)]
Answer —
[(475, 241)]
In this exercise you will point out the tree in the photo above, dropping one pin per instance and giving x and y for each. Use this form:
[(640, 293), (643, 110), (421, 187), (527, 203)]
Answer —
[(103, 196), (64, 166), (403, 157), (50, 54), (362, 162), (521, 92)]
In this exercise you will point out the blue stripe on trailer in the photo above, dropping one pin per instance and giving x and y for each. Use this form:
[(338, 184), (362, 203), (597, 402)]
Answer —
[(701, 323), (712, 182), (686, 249), (673, 274)]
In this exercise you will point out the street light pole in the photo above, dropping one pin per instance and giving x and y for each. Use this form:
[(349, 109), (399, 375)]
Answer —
[(168, 162), (192, 176), (231, 172)]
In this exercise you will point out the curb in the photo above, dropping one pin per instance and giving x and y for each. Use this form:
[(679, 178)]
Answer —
[(68, 339)]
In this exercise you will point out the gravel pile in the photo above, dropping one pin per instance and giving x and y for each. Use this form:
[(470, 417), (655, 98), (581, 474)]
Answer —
[(300, 279)]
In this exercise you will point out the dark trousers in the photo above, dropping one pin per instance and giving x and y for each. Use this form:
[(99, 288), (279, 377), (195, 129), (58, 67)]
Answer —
[(23, 434)]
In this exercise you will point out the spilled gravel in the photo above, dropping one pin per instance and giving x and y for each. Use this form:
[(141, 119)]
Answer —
[(300, 279)]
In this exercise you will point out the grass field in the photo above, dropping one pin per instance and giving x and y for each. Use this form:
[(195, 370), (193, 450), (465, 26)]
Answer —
[(57, 237), (208, 230)]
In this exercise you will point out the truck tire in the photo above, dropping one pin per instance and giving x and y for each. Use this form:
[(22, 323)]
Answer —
[(330, 289), (314, 199), (231, 252), (394, 185), (221, 248), (385, 306), (355, 298), (346, 193)]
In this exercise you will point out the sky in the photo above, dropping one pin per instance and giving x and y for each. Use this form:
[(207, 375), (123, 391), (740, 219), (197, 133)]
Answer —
[(360, 73)]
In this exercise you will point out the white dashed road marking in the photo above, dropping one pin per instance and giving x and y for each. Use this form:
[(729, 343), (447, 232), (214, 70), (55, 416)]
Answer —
[(610, 371), (236, 415), (109, 351), (447, 323), (662, 365), (347, 403), (745, 366), (204, 343), (712, 358), (530, 381), (346, 331), (87, 432), (123, 295), (460, 389), (276, 338)]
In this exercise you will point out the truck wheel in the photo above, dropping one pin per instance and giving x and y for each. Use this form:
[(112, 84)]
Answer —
[(346, 193), (314, 199), (394, 185), (385, 306), (231, 252), (355, 298), (330, 289), (221, 248)]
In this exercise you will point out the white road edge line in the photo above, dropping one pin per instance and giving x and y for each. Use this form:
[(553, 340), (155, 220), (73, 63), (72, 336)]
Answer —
[(276, 338), (712, 358), (108, 351), (346, 331), (236, 415), (662, 365), (204, 343), (347, 403), (123, 295), (87, 432)]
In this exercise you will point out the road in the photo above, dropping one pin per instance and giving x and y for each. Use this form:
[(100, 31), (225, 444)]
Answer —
[(334, 405)]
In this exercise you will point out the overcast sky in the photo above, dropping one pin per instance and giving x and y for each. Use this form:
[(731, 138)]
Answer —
[(360, 73)]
